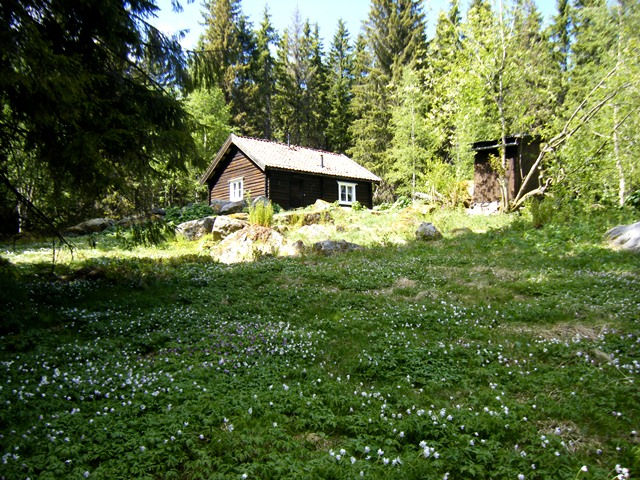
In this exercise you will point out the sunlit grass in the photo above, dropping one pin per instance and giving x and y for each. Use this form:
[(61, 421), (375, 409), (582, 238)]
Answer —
[(502, 352)]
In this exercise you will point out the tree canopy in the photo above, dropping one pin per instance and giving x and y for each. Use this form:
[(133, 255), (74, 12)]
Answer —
[(95, 100)]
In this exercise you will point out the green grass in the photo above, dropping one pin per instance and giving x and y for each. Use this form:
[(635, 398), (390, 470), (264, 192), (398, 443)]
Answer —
[(481, 355)]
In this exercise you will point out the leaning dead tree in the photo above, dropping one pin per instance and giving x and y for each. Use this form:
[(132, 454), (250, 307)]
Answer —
[(580, 117), (36, 211)]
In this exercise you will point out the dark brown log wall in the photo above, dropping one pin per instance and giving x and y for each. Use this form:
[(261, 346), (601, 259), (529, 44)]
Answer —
[(292, 190), (234, 165), (485, 179)]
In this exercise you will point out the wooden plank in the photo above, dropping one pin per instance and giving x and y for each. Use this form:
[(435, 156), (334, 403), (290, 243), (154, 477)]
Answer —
[(237, 165)]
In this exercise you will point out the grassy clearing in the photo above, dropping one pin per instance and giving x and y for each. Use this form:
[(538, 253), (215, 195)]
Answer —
[(501, 352)]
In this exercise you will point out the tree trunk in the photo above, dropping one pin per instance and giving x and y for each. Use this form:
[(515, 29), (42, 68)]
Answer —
[(616, 141), (622, 187), (504, 174)]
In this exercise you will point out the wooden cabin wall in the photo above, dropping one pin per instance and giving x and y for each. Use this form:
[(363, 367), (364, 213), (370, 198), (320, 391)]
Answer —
[(485, 180), (520, 159), (530, 153), (235, 165), (292, 190)]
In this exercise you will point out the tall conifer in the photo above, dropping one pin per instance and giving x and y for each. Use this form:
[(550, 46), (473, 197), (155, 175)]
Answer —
[(339, 95)]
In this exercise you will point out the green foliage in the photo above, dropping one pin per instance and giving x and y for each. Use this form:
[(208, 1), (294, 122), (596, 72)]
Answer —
[(541, 210), (176, 366), (261, 213), (395, 39), (212, 122), (176, 215), (357, 206), (148, 234), (340, 81), (300, 100), (85, 89), (633, 200)]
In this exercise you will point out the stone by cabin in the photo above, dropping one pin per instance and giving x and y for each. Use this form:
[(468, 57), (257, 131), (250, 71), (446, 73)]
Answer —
[(288, 175), (521, 153)]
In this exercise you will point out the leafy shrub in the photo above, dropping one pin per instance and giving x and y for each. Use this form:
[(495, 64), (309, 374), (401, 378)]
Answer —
[(541, 211), (357, 206), (402, 202), (194, 211), (261, 214), (633, 200), (149, 233)]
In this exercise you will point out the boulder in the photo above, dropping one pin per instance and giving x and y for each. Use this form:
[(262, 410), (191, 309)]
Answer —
[(427, 231), (195, 229), (132, 220), (314, 232), (253, 242), (224, 225), (94, 225), (331, 247), (625, 237), (260, 199), (304, 218), (322, 205), (158, 211), (240, 216), (232, 207), (216, 205)]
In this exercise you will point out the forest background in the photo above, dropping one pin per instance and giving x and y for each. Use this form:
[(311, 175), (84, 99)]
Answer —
[(102, 114)]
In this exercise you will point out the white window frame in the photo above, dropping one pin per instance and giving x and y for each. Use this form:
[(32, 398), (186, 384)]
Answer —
[(236, 189), (348, 186)]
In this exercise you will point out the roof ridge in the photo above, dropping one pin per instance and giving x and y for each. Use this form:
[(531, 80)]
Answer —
[(275, 142)]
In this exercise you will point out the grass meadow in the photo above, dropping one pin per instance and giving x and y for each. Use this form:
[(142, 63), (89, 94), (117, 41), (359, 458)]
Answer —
[(498, 352)]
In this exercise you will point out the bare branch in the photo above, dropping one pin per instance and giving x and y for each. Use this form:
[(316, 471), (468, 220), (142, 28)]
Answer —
[(36, 210), (569, 130)]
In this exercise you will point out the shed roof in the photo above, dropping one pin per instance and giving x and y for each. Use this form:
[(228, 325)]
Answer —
[(266, 154), (493, 144)]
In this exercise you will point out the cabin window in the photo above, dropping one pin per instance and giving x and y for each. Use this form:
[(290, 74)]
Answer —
[(346, 193), (236, 190)]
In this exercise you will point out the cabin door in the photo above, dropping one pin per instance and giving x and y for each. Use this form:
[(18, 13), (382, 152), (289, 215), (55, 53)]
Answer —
[(296, 192)]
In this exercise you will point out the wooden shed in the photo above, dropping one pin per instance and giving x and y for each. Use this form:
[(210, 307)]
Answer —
[(521, 153), (288, 175)]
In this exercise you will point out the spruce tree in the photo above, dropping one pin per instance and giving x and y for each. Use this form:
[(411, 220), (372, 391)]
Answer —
[(86, 95), (395, 37), (339, 95), (265, 76), (300, 100), (220, 46), (225, 57), (441, 84), (288, 101)]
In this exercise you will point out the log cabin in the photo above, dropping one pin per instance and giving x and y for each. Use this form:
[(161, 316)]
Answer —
[(521, 152), (288, 175)]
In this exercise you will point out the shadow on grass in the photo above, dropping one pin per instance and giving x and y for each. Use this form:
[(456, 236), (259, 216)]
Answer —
[(531, 274)]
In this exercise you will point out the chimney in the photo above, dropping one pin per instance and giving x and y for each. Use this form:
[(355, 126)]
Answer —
[(321, 161)]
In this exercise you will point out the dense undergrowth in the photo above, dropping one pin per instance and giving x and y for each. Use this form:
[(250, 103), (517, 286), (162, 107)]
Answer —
[(511, 353)]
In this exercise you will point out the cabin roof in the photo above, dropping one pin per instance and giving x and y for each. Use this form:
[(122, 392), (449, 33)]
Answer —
[(510, 141), (267, 154)]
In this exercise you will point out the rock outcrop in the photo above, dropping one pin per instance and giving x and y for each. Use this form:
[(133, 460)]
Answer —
[(95, 225), (252, 242), (625, 237), (224, 226), (427, 231), (195, 229), (331, 247), (232, 207)]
